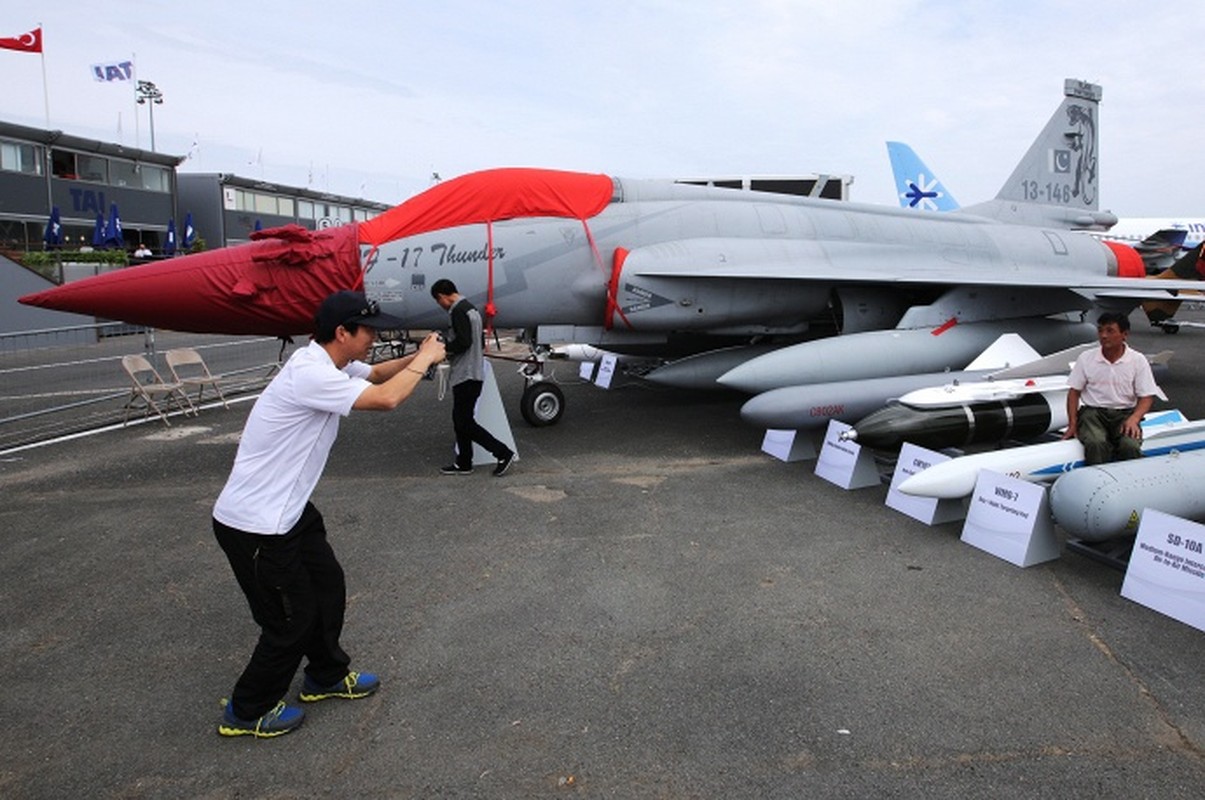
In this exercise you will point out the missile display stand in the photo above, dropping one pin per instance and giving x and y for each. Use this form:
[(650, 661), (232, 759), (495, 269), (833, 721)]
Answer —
[(1114, 553)]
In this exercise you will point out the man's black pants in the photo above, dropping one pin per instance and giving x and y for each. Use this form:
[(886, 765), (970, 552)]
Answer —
[(468, 430), (295, 588)]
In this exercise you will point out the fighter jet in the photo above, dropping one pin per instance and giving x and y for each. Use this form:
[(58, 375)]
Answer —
[(627, 264)]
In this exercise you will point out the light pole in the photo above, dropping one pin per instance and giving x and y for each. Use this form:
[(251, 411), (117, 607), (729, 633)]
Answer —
[(148, 91)]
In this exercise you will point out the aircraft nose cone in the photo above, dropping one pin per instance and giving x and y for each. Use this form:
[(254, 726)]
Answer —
[(271, 286)]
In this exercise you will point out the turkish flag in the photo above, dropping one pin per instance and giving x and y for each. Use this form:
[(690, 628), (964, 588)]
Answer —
[(27, 42)]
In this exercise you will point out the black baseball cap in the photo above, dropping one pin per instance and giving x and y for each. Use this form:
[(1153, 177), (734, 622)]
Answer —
[(346, 308)]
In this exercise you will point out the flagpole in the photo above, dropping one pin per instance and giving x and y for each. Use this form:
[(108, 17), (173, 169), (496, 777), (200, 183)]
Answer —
[(49, 161), (137, 122), (45, 89)]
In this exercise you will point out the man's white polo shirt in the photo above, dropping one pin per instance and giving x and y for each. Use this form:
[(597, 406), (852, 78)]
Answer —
[(286, 441)]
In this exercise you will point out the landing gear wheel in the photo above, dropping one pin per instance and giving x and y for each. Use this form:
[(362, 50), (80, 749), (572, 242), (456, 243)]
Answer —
[(542, 404)]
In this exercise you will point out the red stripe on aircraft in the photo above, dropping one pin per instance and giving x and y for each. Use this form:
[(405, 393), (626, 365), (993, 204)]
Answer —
[(1129, 263), (945, 326)]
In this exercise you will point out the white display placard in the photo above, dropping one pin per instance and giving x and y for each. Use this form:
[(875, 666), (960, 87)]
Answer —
[(929, 510), (585, 370), (846, 464), (787, 445), (1166, 572), (606, 370), (1010, 518), (491, 413)]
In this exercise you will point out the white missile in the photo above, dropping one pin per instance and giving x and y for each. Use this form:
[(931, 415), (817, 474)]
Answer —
[(999, 388), (579, 352), (960, 393), (1107, 500), (1163, 432), (879, 354)]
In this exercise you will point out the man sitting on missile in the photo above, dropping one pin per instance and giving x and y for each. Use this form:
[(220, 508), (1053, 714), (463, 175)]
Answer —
[(1117, 388)]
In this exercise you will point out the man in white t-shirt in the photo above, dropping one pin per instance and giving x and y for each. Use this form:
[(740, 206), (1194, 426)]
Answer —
[(1117, 388), (273, 535)]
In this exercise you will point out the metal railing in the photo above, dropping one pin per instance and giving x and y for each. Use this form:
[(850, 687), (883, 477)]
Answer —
[(58, 381)]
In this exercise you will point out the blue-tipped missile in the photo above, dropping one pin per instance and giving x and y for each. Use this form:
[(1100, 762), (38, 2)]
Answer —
[(1163, 432), (878, 354), (1107, 500)]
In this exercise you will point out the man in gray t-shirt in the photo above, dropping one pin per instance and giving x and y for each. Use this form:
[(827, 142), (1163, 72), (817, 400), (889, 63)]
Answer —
[(464, 343)]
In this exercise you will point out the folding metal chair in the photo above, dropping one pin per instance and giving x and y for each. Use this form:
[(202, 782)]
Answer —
[(189, 369), (151, 391)]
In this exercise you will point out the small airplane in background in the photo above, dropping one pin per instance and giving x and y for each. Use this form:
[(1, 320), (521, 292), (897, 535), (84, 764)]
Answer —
[(915, 183), (644, 265)]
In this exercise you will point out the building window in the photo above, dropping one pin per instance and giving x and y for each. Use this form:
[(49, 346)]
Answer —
[(63, 164), (26, 158), (92, 168), (305, 210), (156, 179), (124, 173)]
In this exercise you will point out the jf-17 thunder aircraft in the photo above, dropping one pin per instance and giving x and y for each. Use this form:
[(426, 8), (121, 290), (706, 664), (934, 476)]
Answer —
[(632, 265)]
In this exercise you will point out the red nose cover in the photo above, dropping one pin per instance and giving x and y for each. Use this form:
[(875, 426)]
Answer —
[(271, 286)]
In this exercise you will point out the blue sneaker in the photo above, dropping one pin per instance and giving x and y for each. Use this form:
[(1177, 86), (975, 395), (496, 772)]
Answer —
[(354, 686), (277, 722)]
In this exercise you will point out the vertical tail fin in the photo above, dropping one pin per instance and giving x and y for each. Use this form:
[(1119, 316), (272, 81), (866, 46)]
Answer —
[(1057, 182), (915, 183)]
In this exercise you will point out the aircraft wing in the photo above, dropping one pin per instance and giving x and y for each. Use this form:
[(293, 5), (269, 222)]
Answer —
[(863, 262)]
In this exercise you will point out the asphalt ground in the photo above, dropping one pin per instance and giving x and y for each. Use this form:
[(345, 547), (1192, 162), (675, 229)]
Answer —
[(645, 606)]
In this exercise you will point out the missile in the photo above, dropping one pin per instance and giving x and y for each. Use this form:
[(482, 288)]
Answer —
[(1163, 432), (803, 407), (879, 354), (960, 413), (1107, 500), (579, 352), (700, 371), (1026, 417)]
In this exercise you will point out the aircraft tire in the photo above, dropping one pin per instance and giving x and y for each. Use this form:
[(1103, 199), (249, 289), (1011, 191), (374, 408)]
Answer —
[(543, 404)]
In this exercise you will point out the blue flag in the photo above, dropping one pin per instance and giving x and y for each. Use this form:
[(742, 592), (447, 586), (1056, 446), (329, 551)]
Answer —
[(98, 235), (54, 229), (113, 231), (190, 234), (169, 244)]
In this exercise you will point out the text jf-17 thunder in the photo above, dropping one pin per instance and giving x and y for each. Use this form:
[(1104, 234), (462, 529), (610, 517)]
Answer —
[(629, 264)]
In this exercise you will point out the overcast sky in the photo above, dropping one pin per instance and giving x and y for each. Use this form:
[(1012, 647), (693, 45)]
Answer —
[(369, 98)]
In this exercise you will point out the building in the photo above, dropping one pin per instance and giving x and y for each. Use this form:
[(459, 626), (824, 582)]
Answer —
[(226, 208), (84, 179)]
